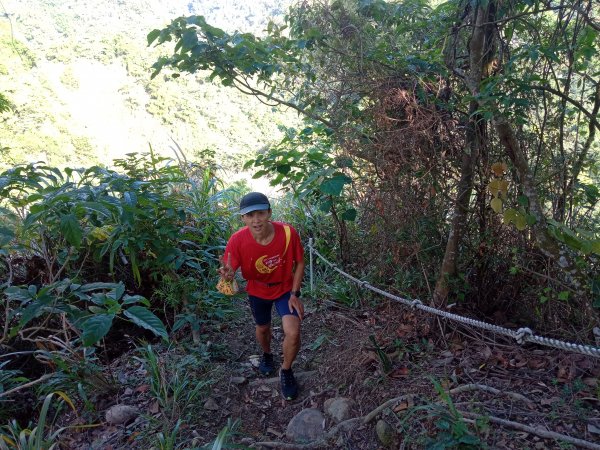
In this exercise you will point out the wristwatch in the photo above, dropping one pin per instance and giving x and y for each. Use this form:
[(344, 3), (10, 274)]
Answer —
[(296, 293)]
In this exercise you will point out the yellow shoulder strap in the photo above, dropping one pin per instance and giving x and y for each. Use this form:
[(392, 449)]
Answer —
[(288, 235)]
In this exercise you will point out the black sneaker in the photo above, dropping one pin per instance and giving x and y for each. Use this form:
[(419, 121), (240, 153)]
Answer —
[(266, 366), (289, 387)]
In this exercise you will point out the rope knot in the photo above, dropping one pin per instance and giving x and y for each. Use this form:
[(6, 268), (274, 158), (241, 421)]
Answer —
[(521, 333), (415, 303)]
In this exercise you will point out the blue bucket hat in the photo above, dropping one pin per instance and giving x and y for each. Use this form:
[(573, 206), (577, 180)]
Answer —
[(254, 201)]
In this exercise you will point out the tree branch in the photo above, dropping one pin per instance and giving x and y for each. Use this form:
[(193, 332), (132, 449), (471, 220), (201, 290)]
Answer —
[(26, 385), (258, 93), (575, 103)]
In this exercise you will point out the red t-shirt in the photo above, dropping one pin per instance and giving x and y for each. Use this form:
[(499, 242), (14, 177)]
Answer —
[(265, 264)]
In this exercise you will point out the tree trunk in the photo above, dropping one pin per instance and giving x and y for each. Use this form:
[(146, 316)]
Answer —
[(544, 241), (470, 155)]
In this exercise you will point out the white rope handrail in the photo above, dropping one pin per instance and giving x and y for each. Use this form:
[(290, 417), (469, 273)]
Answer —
[(521, 335)]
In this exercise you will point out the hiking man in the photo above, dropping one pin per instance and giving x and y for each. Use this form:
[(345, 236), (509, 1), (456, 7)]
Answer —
[(271, 258)]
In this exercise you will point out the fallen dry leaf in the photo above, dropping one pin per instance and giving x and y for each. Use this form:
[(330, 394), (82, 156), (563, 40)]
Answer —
[(154, 407), (400, 372), (404, 330), (549, 401)]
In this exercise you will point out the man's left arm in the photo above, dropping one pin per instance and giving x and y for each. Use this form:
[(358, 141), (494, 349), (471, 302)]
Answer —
[(295, 302)]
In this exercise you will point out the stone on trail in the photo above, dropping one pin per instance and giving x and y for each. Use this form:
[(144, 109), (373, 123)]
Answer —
[(211, 404), (238, 380), (306, 426), (338, 408), (385, 433), (120, 414)]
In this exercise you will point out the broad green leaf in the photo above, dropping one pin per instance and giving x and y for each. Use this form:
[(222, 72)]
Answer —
[(496, 204), (117, 292), (144, 318), (6, 235), (520, 222), (494, 187), (132, 299), (334, 185), (523, 201), (97, 286), (349, 215), (326, 205), (152, 36), (69, 226), (189, 39), (510, 215), (96, 327), (284, 168)]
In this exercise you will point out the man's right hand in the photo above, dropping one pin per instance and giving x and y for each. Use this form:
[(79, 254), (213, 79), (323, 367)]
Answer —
[(226, 271)]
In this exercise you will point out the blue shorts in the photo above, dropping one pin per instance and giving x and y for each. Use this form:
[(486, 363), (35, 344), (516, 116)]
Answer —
[(261, 308)]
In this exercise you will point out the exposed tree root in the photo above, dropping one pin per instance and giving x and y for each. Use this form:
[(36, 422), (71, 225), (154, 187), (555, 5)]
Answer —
[(491, 390), (541, 432)]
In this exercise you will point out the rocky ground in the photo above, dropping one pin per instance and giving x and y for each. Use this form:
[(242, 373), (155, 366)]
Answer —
[(371, 378)]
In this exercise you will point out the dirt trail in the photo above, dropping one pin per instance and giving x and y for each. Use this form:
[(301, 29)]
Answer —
[(493, 379)]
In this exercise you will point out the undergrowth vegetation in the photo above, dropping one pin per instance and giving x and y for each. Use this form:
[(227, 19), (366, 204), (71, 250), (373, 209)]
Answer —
[(90, 257)]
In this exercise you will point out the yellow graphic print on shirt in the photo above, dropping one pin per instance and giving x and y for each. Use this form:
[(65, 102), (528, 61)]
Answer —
[(267, 265)]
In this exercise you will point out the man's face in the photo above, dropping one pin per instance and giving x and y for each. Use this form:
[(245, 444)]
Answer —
[(257, 220)]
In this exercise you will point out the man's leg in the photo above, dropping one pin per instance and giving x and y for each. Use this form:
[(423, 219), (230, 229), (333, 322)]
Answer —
[(263, 336), (261, 310), (291, 340)]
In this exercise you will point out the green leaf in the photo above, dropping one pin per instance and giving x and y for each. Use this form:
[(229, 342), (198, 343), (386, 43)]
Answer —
[(144, 318), (96, 327), (523, 201), (152, 36), (325, 206), (131, 299), (117, 292), (349, 215), (284, 168), (6, 235), (520, 222), (333, 186), (69, 226), (97, 286), (189, 39)]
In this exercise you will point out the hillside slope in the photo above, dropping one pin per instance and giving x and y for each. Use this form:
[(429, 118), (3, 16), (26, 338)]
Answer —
[(77, 73)]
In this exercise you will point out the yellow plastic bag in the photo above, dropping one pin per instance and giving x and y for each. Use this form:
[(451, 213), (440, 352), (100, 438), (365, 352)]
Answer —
[(226, 287)]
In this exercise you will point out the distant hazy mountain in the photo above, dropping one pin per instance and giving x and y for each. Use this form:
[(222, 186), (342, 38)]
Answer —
[(77, 73)]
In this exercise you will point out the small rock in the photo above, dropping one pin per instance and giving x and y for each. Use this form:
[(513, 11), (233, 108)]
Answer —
[(238, 380), (339, 408), (306, 426), (593, 429), (274, 432), (120, 414), (254, 360), (385, 433), (211, 404)]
